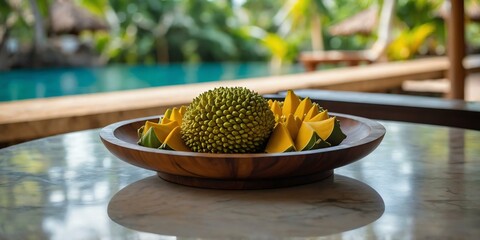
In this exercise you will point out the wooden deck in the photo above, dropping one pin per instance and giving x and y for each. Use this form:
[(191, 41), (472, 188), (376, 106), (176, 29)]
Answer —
[(29, 119)]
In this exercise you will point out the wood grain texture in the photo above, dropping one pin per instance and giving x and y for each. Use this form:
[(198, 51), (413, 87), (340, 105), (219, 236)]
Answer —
[(245, 183), (244, 171)]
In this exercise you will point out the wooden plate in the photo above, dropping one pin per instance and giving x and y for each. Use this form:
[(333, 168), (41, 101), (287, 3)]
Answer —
[(244, 171)]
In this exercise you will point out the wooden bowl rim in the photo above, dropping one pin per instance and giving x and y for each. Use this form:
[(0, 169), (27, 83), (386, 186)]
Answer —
[(107, 133)]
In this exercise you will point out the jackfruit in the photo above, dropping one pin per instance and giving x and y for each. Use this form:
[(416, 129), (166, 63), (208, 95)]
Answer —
[(227, 120)]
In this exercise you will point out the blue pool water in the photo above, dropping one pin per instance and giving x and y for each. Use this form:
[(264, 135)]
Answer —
[(43, 83)]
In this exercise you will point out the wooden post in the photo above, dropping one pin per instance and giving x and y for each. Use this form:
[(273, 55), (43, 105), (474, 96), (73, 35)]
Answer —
[(456, 49)]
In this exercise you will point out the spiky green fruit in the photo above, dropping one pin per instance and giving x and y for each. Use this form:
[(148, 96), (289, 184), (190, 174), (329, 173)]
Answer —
[(227, 120)]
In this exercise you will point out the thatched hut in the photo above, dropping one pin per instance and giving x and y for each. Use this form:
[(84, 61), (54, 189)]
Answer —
[(67, 18), (362, 23)]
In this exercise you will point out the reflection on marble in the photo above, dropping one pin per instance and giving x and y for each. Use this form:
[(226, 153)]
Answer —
[(335, 205), (428, 178), (59, 187)]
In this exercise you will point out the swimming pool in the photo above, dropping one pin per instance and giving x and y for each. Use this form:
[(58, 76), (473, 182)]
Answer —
[(43, 83)]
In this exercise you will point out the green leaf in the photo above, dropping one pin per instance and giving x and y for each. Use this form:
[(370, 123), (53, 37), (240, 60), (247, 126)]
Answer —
[(320, 143), (96, 7), (406, 45), (277, 45), (337, 135)]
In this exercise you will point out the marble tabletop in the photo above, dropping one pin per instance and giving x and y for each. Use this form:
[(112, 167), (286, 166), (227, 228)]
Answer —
[(421, 182)]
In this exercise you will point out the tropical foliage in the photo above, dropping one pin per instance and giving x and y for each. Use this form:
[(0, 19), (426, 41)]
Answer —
[(154, 31)]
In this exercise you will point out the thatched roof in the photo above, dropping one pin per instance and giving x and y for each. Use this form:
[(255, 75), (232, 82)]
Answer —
[(67, 18), (363, 23)]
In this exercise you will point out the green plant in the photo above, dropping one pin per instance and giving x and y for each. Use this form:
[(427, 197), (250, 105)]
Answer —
[(407, 44)]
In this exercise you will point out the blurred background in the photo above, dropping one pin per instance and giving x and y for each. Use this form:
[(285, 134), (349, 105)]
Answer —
[(65, 47), (59, 33)]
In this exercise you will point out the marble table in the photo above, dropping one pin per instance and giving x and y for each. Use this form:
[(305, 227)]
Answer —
[(423, 181)]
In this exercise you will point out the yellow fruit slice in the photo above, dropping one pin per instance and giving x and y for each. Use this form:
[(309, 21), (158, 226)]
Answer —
[(280, 140), (292, 126), (176, 116), (165, 120), (182, 110), (329, 130), (303, 108), (160, 130), (306, 138), (147, 126), (167, 113), (319, 117), (298, 122), (323, 128), (290, 103), (174, 141), (276, 109), (163, 130), (312, 112)]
